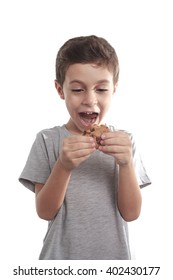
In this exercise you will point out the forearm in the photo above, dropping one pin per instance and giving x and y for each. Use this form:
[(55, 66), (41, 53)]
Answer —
[(51, 196), (129, 194)]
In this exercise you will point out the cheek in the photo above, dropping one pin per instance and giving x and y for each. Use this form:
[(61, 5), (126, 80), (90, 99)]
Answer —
[(71, 104), (106, 102)]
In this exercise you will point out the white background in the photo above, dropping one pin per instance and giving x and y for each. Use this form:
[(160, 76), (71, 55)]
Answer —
[(31, 34)]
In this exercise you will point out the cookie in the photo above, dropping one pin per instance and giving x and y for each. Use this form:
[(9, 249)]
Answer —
[(96, 131)]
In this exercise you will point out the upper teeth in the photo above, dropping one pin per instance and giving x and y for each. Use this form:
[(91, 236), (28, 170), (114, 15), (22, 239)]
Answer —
[(89, 113)]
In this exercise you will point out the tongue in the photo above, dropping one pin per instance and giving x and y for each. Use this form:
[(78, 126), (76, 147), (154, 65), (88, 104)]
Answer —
[(88, 116), (88, 119)]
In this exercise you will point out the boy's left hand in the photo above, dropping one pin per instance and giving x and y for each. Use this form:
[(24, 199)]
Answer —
[(118, 145)]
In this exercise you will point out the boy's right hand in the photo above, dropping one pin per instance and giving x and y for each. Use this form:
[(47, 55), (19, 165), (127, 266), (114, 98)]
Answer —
[(75, 150)]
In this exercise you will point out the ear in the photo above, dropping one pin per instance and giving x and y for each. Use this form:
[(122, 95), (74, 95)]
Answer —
[(59, 89), (115, 88)]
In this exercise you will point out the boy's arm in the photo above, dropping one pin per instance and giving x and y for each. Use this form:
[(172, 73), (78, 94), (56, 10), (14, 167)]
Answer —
[(50, 196), (129, 197), (118, 145)]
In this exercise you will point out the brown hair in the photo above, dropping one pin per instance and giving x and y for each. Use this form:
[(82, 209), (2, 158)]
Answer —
[(86, 49)]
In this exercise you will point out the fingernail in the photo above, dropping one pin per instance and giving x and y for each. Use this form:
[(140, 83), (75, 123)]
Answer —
[(103, 136), (93, 144)]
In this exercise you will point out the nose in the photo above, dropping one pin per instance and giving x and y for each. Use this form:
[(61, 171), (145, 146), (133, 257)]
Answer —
[(90, 98)]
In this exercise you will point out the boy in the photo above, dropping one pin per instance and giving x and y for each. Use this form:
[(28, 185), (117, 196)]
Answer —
[(88, 195)]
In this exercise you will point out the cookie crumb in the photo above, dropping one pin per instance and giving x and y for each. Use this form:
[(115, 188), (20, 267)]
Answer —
[(96, 131)]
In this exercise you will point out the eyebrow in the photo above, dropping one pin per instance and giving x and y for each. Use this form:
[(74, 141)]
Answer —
[(98, 82)]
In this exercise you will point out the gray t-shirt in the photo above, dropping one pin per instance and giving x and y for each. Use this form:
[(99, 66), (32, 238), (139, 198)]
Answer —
[(88, 225)]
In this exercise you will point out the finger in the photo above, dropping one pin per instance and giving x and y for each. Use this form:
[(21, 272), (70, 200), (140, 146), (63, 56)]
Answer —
[(115, 138), (113, 149), (115, 142), (82, 153), (77, 146), (78, 139), (116, 134), (81, 146)]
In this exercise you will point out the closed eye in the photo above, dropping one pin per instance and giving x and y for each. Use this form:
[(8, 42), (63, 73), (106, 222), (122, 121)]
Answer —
[(77, 90), (102, 89)]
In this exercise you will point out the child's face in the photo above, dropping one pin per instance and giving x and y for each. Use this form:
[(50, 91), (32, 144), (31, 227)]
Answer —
[(88, 91)]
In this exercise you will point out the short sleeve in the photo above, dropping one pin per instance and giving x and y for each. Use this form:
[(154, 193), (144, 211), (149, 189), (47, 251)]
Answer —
[(37, 168), (142, 176)]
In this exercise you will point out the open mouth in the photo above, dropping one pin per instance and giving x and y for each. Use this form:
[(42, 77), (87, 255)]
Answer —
[(88, 118)]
